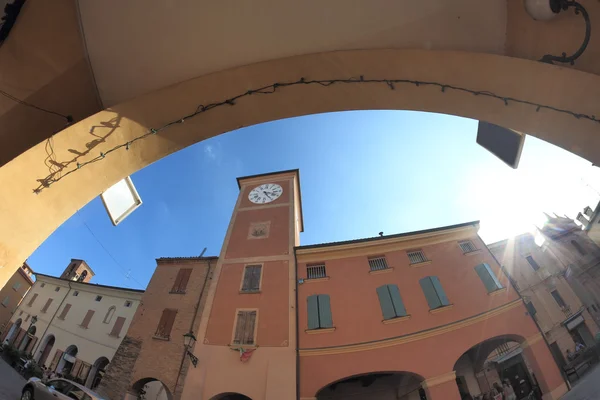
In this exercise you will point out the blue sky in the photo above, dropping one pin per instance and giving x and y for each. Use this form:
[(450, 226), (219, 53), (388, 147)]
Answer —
[(361, 173)]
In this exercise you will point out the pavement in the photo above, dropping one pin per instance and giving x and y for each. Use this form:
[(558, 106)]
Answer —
[(11, 382), (587, 388)]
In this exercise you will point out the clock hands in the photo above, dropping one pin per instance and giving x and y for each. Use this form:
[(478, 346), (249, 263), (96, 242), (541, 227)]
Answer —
[(267, 194)]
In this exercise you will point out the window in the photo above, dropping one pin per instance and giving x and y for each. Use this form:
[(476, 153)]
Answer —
[(27, 318), (319, 312), (116, 330), (416, 257), (45, 308), (109, 315), (82, 276), (16, 286), (98, 298), (315, 271), (35, 295), (76, 393), (559, 300), (467, 246), (533, 263), (181, 281), (530, 309), (59, 385), (488, 277), (76, 293), (578, 247), (42, 284), (128, 303), (6, 301), (390, 301), (56, 289), (251, 282), (377, 263), (434, 293), (64, 312), (165, 324), (86, 320), (21, 312), (244, 327)]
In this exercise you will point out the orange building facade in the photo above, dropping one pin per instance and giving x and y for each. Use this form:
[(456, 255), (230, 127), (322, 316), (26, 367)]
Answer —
[(409, 316)]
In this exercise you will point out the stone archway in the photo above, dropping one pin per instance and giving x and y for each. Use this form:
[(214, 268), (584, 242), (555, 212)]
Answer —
[(230, 396), (64, 365), (97, 372), (512, 78), (375, 385), (12, 333), (150, 389), (46, 348)]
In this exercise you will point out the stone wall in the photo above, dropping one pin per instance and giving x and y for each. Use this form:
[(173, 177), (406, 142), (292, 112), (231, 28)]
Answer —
[(117, 378)]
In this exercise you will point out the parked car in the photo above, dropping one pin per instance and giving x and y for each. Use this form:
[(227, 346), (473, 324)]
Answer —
[(56, 389)]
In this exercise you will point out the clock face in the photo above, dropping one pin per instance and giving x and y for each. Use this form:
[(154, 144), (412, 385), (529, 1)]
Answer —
[(266, 193)]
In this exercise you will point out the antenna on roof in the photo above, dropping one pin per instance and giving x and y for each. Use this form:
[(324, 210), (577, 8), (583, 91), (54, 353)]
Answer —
[(203, 251)]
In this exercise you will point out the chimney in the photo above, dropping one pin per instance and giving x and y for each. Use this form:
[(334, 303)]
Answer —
[(588, 212), (582, 219)]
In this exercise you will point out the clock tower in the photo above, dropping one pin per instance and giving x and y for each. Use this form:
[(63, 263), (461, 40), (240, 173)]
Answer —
[(247, 337)]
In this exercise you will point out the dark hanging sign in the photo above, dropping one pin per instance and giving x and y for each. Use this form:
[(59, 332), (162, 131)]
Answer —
[(504, 143)]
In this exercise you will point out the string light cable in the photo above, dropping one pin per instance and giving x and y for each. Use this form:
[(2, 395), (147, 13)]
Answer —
[(56, 176), (127, 272)]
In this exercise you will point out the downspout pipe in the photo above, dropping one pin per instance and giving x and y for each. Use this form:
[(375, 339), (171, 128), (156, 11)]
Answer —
[(297, 329)]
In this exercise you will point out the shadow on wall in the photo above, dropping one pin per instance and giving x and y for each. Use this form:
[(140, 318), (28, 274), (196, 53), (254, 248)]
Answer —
[(71, 93)]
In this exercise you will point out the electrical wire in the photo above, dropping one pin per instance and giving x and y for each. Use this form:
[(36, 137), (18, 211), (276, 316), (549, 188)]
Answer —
[(273, 88), (68, 118), (127, 275)]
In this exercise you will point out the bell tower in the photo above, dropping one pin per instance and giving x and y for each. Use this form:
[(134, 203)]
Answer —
[(247, 336), (78, 270)]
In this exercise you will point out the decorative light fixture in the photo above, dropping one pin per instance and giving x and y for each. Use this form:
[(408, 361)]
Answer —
[(34, 319), (189, 340), (543, 10)]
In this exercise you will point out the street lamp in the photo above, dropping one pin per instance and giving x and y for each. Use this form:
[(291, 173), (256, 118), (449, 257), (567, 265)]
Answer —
[(34, 319), (189, 340)]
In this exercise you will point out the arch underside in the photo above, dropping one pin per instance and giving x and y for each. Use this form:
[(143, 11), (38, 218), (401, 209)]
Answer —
[(40, 214)]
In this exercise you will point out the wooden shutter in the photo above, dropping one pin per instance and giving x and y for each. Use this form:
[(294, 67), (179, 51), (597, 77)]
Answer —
[(48, 302), (116, 330), (240, 327), (56, 360), (88, 317), (19, 337), (64, 312), (430, 293), (397, 300), (439, 290), (84, 371), (313, 312), (325, 320), (166, 323), (31, 344), (181, 281), (76, 368), (249, 327), (35, 295), (385, 301), (256, 271), (486, 278)]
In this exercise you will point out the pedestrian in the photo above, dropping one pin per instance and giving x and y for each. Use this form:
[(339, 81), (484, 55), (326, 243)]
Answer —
[(570, 355), (509, 392), (579, 346), (499, 390)]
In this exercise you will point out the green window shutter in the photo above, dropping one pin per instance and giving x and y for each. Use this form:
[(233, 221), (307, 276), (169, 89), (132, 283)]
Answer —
[(530, 308), (385, 301), (325, 320), (313, 312), (485, 274), (439, 290), (494, 277), (432, 298), (397, 300)]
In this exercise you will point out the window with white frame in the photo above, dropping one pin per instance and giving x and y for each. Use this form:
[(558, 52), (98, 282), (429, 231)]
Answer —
[(467, 246), (315, 271), (416, 256), (378, 263)]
